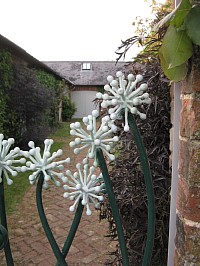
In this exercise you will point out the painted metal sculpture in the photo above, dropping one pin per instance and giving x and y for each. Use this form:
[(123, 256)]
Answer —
[(86, 186)]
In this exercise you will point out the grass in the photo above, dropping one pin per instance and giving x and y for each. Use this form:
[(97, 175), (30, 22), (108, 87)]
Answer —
[(15, 192), (62, 131)]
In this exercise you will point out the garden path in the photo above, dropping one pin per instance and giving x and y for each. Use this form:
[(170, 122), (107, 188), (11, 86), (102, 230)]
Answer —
[(28, 241)]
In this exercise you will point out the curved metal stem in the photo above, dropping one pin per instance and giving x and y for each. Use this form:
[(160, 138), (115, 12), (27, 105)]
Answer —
[(149, 189), (7, 249), (54, 246), (114, 207), (73, 230)]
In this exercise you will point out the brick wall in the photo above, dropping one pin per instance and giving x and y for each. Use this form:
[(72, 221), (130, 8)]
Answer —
[(187, 240)]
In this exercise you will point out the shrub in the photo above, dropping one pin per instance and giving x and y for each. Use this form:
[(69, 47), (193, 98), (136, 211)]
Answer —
[(27, 104), (68, 109), (128, 180)]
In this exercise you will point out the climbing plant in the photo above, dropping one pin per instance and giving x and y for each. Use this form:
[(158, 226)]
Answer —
[(50, 82), (46, 79), (182, 34), (6, 73), (27, 103)]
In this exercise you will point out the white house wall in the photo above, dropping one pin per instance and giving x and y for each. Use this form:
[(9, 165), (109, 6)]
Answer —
[(84, 102)]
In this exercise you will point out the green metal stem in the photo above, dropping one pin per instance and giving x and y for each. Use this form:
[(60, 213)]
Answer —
[(73, 230), (149, 189), (114, 207), (7, 249), (45, 224)]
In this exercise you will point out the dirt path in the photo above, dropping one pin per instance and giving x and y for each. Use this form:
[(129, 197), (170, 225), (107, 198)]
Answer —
[(29, 243)]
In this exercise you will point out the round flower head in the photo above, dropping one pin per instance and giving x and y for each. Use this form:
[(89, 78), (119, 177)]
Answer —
[(85, 186), (44, 163), (7, 158), (124, 96), (92, 137)]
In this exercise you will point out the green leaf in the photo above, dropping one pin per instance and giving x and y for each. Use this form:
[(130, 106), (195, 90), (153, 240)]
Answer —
[(183, 8), (174, 74), (177, 16), (176, 47), (164, 21), (192, 24)]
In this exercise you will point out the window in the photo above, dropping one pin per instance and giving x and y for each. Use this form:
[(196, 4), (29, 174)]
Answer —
[(86, 66)]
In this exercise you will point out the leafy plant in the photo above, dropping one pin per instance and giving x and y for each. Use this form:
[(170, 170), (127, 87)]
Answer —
[(50, 82), (145, 37), (128, 181), (126, 172), (182, 34), (68, 109), (27, 103), (6, 75), (46, 79)]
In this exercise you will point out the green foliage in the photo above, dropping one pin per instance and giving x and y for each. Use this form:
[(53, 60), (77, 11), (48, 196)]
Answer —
[(6, 75), (148, 35), (192, 24), (50, 82), (46, 79), (175, 73), (5, 70), (180, 13), (63, 130), (68, 109), (28, 102), (177, 46), (180, 48), (173, 57)]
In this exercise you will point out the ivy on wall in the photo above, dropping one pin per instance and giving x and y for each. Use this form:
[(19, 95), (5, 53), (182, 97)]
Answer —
[(28, 101), (46, 79), (6, 73), (50, 82)]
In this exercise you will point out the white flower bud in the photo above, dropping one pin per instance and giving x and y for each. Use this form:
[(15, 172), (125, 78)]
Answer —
[(139, 78), (106, 87), (131, 77), (95, 113), (110, 79), (119, 74)]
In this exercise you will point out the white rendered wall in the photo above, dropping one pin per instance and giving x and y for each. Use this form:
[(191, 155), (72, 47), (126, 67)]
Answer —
[(84, 102)]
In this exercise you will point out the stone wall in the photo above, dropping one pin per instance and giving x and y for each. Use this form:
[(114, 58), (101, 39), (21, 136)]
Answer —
[(187, 241)]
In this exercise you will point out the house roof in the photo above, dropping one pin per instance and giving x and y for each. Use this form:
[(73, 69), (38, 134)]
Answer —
[(99, 70), (22, 54)]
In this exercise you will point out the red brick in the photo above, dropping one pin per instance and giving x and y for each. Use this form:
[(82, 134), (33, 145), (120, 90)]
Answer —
[(190, 118), (184, 158), (187, 243), (192, 82), (189, 161), (188, 203), (194, 165), (196, 80), (195, 118)]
